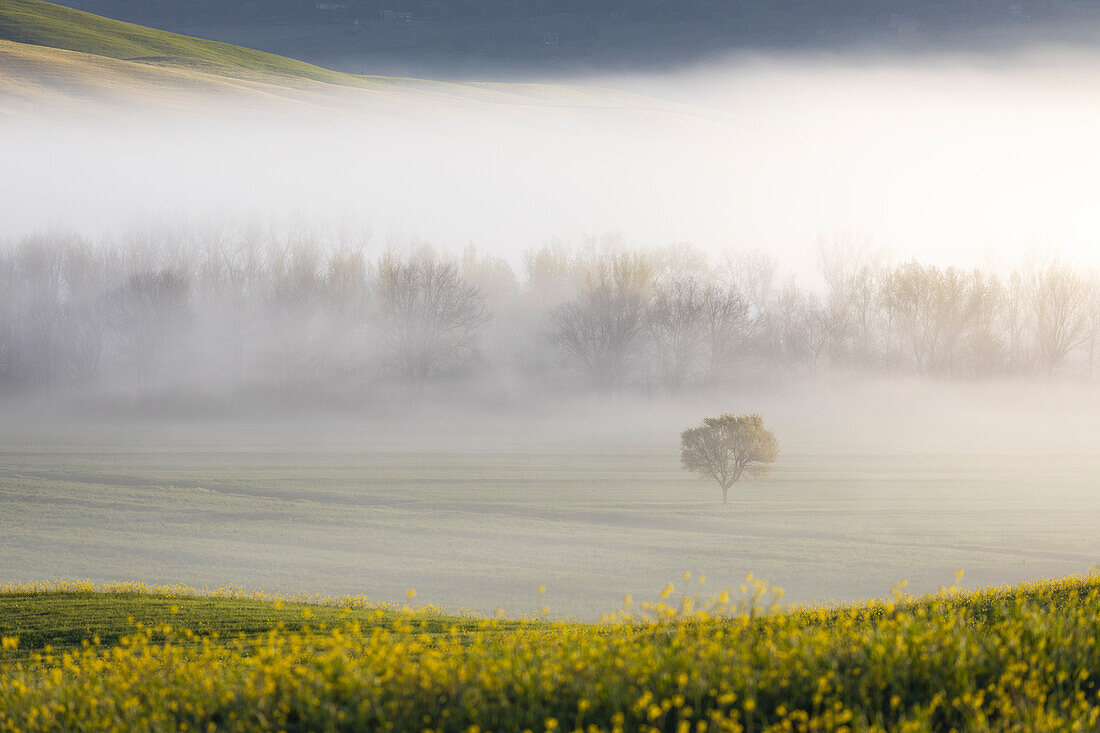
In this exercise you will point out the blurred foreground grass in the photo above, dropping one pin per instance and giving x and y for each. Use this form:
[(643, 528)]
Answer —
[(1016, 658)]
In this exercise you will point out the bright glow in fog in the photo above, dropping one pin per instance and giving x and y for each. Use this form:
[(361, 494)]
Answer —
[(946, 160)]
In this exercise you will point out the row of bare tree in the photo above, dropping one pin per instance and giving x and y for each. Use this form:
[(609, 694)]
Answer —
[(238, 317)]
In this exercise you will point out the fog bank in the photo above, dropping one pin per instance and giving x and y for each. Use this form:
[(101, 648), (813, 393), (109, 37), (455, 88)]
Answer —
[(951, 159)]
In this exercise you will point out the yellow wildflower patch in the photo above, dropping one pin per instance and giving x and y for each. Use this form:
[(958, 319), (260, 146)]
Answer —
[(1023, 658)]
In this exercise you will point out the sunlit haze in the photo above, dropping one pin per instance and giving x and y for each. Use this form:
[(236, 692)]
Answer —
[(955, 160)]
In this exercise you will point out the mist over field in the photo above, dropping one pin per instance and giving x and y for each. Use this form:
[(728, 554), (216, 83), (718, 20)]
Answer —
[(874, 485), (358, 340)]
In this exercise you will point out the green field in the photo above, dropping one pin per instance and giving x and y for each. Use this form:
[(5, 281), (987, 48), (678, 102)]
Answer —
[(478, 515), (59, 619)]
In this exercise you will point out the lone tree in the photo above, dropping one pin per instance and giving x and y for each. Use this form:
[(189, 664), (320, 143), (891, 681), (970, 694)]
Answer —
[(728, 447)]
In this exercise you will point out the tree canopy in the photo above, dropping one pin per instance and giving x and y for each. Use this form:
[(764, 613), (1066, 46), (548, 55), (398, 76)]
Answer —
[(728, 447)]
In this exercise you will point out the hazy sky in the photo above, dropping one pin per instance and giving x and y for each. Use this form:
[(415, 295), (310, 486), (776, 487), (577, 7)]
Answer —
[(949, 159)]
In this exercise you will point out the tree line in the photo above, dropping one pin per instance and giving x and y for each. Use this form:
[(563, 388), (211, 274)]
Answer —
[(253, 317)]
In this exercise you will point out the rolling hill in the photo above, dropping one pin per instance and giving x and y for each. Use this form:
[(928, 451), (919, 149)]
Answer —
[(54, 58), (40, 23)]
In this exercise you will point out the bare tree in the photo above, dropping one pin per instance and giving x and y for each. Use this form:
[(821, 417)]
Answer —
[(83, 321), (294, 291), (674, 320), (728, 332), (147, 315), (554, 276), (428, 318), (40, 282), (1060, 300), (934, 308), (9, 348), (753, 275), (601, 332), (851, 270), (801, 330), (492, 276), (1093, 326), (1010, 322), (231, 292), (345, 306)]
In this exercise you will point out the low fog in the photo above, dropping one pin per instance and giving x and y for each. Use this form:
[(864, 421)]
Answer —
[(874, 484), (751, 222), (952, 160), (446, 336)]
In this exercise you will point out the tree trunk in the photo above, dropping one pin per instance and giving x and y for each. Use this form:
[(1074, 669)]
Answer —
[(725, 494)]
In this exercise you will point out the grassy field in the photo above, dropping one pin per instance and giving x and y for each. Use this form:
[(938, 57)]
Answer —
[(63, 617), (1024, 658), (477, 516)]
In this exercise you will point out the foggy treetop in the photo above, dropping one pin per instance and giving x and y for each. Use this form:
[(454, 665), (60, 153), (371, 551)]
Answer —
[(246, 317)]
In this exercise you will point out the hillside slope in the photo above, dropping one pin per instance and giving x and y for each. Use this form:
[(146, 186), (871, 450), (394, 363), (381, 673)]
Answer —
[(40, 79), (45, 24), (56, 59)]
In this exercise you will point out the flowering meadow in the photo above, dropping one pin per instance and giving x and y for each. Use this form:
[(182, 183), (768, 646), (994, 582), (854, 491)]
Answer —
[(1021, 658)]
